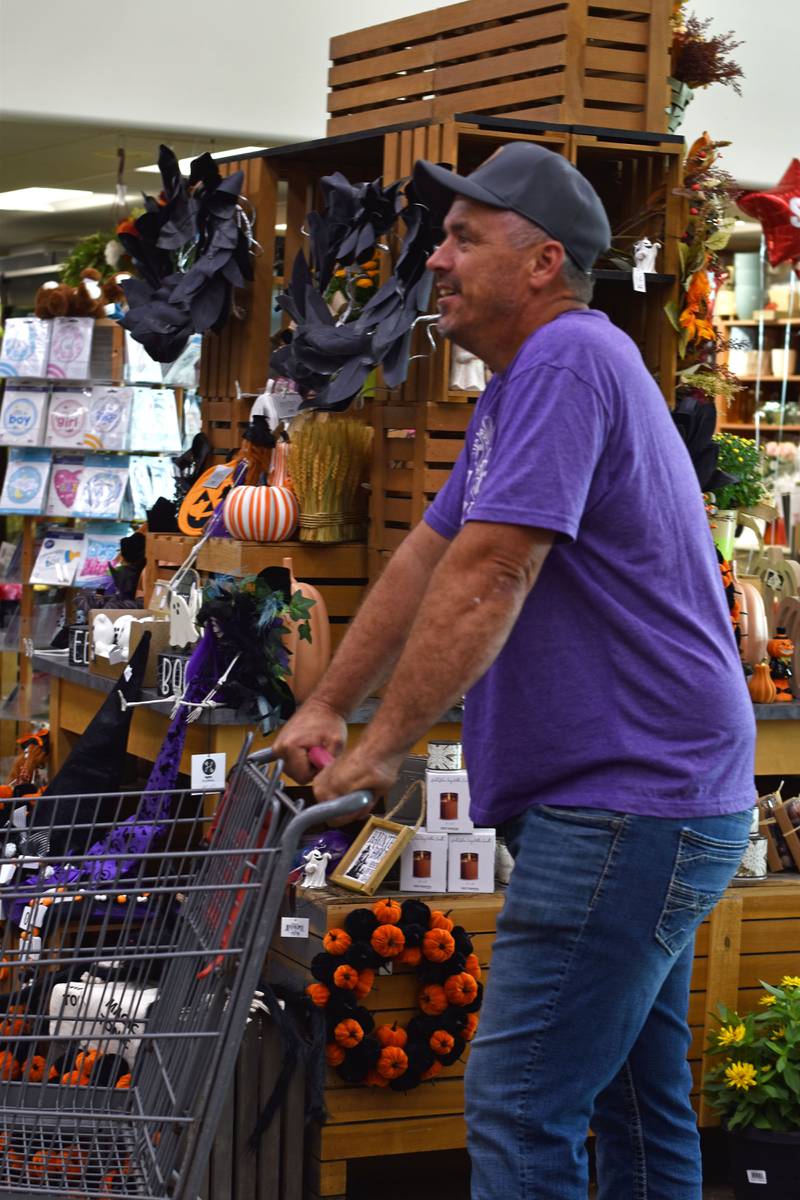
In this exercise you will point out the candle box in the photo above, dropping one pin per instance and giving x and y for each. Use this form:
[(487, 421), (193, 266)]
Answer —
[(423, 864), (448, 802), (470, 861)]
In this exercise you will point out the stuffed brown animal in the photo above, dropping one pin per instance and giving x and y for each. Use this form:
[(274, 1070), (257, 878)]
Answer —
[(54, 300), (113, 292), (89, 300)]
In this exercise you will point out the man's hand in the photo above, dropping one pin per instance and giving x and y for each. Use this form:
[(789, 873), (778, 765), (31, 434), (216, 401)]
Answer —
[(314, 724), (355, 771)]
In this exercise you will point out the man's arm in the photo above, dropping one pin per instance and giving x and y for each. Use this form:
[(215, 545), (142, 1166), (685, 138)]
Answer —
[(368, 652), (469, 609)]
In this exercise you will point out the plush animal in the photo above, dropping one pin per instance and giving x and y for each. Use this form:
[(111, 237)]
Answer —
[(53, 300), (60, 300)]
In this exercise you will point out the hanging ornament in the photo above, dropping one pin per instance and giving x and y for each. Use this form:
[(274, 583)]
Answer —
[(778, 210)]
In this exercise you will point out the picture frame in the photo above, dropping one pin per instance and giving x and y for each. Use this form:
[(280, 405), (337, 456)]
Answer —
[(374, 852)]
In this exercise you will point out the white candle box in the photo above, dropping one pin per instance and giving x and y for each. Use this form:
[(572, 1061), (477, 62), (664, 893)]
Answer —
[(448, 802), (423, 864), (470, 861)]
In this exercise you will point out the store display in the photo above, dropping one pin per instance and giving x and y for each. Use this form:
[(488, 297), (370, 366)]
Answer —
[(139, 366), (470, 861), (154, 421), (102, 549), (67, 417), (372, 855), (102, 487), (65, 476), (152, 477), (423, 863), (58, 558), (25, 483), (70, 348), (23, 416), (328, 465), (26, 347), (448, 801), (266, 512), (116, 635), (109, 418)]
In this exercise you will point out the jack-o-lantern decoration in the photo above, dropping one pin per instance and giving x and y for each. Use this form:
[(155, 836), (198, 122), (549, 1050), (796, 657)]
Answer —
[(203, 497), (264, 513)]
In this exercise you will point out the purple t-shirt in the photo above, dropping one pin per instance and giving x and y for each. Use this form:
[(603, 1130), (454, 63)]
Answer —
[(620, 685)]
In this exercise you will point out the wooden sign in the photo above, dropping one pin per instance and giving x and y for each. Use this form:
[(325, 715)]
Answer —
[(170, 673), (80, 642)]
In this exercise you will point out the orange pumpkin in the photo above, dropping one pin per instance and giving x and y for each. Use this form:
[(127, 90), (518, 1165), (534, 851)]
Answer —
[(441, 1042), (373, 1079), (308, 661), (760, 685), (36, 1166), (348, 1033), (461, 989), (388, 941), (366, 978), (346, 977), (411, 956), (470, 1029), (123, 1082), (433, 1070), (392, 1062), (432, 999), (337, 941), (472, 966), (9, 1067), (438, 945), (391, 1035), (388, 912), (319, 994), (440, 921), (334, 1054), (33, 1068)]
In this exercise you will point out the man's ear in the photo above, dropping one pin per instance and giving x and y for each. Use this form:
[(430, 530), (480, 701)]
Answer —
[(545, 264)]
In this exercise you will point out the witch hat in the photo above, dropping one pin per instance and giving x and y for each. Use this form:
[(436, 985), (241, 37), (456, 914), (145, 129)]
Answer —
[(96, 764)]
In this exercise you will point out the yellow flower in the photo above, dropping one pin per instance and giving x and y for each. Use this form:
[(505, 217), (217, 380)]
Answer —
[(791, 981), (731, 1035), (741, 1075), (779, 1032), (767, 1000)]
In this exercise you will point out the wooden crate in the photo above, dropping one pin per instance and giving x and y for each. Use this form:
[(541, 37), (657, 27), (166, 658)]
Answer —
[(603, 62), (165, 552)]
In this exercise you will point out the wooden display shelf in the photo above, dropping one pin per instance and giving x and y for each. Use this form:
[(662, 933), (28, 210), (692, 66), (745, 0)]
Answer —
[(727, 321), (752, 935), (741, 426)]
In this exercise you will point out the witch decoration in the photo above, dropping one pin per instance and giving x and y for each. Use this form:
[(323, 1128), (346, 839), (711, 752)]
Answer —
[(329, 357)]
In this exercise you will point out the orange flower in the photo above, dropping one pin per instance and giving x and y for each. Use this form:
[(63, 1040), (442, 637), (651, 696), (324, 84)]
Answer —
[(388, 941), (438, 945), (461, 989), (432, 999), (337, 941)]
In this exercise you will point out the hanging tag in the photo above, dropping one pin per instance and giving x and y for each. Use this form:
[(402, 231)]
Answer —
[(294, 927), (756, 1176), (639, 281), (208, 772)]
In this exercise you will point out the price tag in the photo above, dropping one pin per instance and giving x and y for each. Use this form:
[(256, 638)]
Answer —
[(639, 281), (756, 1176), (208, 772), (773, 580), (294, 927)]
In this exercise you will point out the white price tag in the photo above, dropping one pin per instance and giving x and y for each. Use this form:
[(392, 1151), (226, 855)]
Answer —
[(773, 580), (756, 1176), (639, 281), (208, 772), (294, 927)]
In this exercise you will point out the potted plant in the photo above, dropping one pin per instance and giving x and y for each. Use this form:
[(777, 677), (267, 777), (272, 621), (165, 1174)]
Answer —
[(743, 459), (753, 1082)]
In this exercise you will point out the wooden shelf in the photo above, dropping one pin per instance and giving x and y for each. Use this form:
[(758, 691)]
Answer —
[(768, 378), (740, 425), (755, 324), (627, 277)]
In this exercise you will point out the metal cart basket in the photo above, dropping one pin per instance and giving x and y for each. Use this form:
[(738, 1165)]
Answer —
[(136, 929)]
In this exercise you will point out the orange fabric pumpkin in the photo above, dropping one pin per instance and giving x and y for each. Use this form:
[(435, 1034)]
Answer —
[(37, 1164), (411, 956), (392, 1062), (345, 977), (334, 1054), (388, 941), (472, 966), (348, 1033), (388, 912), (461, 989), (440, 921), (432, 999), (391, 1035), (33, 1068), (438, 945), (319, 994), (124, 1081), (337, 941), (373, 1079), (441, 1042), (366, 978), (9, 1067), (470, 1029), (433, 1070)]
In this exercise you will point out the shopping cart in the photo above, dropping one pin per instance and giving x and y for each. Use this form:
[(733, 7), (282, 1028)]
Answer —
[(133, 947)]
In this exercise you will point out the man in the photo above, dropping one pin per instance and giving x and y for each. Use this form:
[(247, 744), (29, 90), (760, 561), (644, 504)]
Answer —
[(565, 579)]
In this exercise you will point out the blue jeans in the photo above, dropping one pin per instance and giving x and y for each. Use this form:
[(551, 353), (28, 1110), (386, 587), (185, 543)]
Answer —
[(584, 1020)]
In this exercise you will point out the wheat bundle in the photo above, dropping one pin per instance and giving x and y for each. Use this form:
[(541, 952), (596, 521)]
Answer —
[(328, 463)]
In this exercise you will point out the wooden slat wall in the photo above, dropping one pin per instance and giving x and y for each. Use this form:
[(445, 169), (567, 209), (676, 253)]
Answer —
[(603, 63)]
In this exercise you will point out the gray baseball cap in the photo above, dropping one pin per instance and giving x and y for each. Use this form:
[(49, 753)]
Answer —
[(534, 182)]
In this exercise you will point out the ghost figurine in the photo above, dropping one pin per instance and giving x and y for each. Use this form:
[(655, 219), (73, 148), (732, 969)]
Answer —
[(644, 255), (315, 864), (467, 373)]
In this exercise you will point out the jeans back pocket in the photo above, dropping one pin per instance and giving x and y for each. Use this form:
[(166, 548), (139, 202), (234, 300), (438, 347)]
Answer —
[(704, 866)]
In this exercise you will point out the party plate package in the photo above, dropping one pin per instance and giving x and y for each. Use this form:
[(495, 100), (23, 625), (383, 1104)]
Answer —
[(57, 561), (102, 549), (68, 416), (65, 478), (26, 346), (24, 414), (154, 421), (25, 483), (108, 419), (102, 486), (70, 348)]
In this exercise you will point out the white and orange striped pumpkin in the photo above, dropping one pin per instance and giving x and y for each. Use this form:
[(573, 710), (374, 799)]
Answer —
[(264, 513)]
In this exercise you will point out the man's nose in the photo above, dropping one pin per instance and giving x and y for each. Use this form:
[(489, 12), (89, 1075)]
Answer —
[(437, 260)]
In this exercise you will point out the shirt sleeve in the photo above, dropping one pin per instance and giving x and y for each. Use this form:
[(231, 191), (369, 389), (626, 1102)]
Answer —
[(539, 460), (444, 515)]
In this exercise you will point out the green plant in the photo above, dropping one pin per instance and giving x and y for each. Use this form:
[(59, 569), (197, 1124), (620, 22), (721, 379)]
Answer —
[(744, 459), (754, 1079), (88, 252)]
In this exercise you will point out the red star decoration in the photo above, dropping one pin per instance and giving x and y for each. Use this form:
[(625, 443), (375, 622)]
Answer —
[(778, 210)]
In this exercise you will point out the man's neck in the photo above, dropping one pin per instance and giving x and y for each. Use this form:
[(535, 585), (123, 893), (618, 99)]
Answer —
[(503, 355)]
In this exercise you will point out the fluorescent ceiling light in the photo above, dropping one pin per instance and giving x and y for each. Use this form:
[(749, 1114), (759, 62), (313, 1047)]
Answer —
[(185, 163), (51, 200)]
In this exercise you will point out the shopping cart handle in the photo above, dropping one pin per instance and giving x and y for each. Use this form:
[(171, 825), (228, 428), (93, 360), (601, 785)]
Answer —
[(344, 808)]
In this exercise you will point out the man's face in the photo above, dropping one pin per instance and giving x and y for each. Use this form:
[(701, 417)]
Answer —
[(481, 277)]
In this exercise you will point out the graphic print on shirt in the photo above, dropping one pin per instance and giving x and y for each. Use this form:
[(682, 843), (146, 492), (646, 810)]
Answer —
[(479, 455)]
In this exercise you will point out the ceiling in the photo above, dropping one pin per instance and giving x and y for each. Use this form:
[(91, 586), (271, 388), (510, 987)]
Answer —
[(52, 154)]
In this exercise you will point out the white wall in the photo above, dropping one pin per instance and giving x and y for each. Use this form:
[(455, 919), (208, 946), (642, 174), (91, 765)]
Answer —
[(259, 67)]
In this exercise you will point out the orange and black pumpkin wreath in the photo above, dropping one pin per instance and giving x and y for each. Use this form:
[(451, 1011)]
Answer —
[(395, 1056)]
